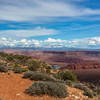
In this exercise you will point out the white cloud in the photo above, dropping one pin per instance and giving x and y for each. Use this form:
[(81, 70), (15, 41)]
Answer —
[(52, 43), (90, 43), (50, 40), (3, 38), (31, 10), (23, 40), (38, 31)]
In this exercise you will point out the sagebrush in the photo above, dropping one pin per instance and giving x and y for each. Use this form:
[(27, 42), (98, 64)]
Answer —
[(50, 88)]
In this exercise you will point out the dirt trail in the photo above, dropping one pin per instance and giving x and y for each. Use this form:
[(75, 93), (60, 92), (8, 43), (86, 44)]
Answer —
[(12, 88)]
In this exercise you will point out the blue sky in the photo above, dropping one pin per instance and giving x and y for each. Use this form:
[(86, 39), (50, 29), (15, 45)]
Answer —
[(50, 23)]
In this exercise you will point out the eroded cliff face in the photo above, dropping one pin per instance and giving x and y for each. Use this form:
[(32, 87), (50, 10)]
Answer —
[(82, 65)]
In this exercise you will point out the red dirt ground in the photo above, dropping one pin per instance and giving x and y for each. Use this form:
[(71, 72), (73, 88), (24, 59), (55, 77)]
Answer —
[(12, 88)]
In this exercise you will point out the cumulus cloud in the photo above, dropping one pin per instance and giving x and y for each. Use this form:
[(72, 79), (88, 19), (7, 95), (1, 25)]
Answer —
[(86, 43), (31, 10), (91, 42), (51, 40)]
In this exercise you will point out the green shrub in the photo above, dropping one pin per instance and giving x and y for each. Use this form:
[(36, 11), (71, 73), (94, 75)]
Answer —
[(24, 69), (53, 89), (21, 59), (16, 65), (89, 94), (92, 86), (3, 68), (97, 90), (66, 75), (55, 75), (9, 58), (80, 86), (17, 70), (33, 66), (10, 68), (42, 70), (44, 65), (29, 62), (48, 67), (28, 74), (69, 83), (48, 71), (37, 76)]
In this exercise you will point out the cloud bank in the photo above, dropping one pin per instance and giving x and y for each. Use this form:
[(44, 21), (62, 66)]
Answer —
[(90, 43)]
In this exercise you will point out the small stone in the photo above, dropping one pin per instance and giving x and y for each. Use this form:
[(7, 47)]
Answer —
[(73, 95), (76, 97), (80, 93), (18, 94)]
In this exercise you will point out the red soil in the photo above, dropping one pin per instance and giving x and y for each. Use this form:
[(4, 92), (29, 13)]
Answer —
[(12, 88)]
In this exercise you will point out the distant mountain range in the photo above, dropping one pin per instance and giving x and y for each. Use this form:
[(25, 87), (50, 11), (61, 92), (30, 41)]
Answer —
[(50, 49)]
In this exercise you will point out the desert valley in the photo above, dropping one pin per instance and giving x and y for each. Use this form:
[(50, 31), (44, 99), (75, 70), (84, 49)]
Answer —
[(81, 62)]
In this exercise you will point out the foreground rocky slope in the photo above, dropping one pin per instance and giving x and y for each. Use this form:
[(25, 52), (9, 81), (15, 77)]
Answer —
[(12, 87), (19, 73)]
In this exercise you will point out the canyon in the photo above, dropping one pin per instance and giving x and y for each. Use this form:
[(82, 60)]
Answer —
[(86, 64)]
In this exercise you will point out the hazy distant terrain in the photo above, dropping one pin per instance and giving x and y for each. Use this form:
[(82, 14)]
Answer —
[(86, 64), (78, 59)]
